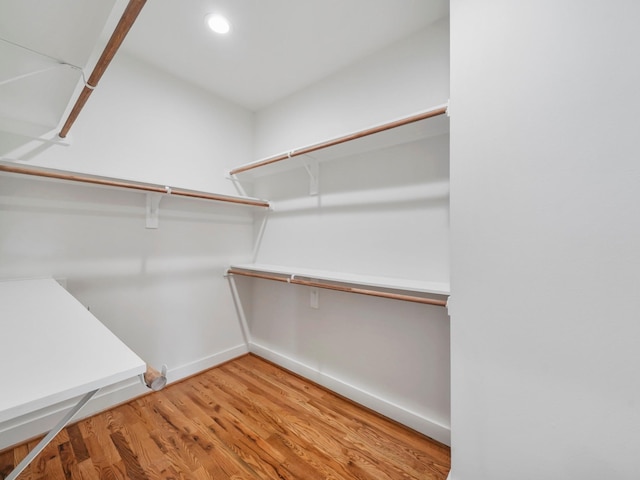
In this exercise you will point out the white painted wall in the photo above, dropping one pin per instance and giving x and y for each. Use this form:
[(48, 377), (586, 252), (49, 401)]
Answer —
[(161, 291), (545, 188), (364, 220), (143, 124), (404, 78), (380, 213)]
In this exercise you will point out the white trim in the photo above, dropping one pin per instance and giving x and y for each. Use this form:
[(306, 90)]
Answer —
[(206, 363), (413, 420)]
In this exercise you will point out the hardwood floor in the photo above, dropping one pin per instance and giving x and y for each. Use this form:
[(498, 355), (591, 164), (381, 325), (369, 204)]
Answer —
[(246, 419)]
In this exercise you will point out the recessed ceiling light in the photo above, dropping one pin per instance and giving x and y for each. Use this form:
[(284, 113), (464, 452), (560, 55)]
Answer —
[(218, 23)]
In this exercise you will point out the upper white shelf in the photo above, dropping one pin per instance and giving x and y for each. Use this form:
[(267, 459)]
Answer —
[(44, 52), (13, 168), (407, 285), (421, 125)]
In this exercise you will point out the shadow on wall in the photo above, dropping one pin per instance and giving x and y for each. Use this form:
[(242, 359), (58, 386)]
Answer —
[(19, 148), (423, 162)]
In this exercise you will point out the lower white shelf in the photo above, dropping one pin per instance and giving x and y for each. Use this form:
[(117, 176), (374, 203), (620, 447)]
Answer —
[(54, 349), (348, 282)]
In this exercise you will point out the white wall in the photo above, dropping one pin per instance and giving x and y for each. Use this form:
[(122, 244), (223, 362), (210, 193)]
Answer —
[(383, 212), (161, 291), (545, 188), (143, 124), (404, 78)]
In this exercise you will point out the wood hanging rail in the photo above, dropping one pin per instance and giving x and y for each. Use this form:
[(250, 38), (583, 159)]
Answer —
[(124, 25), (285, 279), (341, 288), (347, 138), (145, 187)]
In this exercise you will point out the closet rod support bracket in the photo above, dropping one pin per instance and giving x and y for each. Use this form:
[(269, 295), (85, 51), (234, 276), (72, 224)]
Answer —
[(153, 209), (236, 183), (313, 170)]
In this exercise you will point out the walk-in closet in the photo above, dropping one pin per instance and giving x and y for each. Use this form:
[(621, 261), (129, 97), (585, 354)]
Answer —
[(301, 220), (308, 239)]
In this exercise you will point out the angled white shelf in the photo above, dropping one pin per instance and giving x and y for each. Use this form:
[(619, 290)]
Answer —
[(425, 124), (54, 350), (329, 279)]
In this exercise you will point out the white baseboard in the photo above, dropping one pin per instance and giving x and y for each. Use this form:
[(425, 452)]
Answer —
[(413, 420), (18, 430), (206, 363)]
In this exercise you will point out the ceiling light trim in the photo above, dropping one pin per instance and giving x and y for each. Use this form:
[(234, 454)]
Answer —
[(218, 23)]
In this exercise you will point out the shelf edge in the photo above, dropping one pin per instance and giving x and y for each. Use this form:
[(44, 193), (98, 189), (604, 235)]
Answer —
[(417, 286)]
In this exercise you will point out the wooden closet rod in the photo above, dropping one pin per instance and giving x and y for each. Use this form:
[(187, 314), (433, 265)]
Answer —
[(374, 293), (354, 136), (362, 291), (233, 271), (124, 25), (76, 177)]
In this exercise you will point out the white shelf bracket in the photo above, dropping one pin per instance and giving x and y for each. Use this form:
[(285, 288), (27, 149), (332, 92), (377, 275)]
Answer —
[(244, 326), (153, 209), (259, 236), (314, 296), (236, 183), (50, 436), (313, 169)]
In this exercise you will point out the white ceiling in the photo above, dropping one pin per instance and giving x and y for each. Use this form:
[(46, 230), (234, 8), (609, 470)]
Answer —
[(275, 47)]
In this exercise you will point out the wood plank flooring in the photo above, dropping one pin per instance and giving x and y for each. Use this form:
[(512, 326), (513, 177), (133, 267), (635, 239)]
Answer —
[(246, 419)]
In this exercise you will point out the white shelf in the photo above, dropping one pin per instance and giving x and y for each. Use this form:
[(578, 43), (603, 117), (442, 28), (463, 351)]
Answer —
[(54, 349), (406, 285), (42, 57), (13, 168), (374, 138)]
